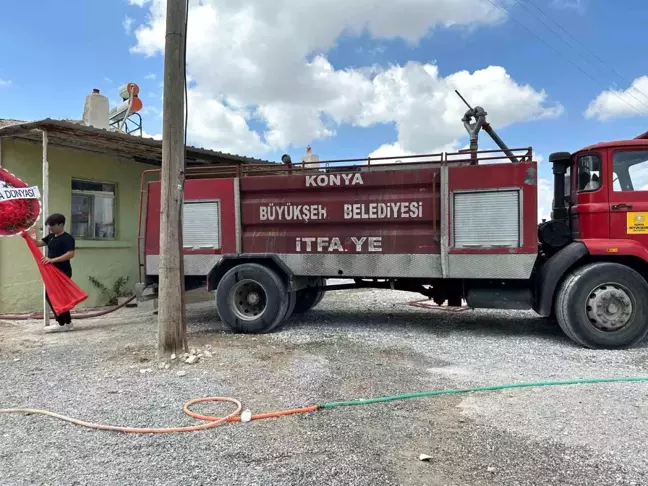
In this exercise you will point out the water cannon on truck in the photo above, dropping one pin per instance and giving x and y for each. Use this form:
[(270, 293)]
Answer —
[(454, 227)]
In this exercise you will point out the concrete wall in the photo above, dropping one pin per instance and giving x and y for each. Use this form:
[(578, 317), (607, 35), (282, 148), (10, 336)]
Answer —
[(20, 283)]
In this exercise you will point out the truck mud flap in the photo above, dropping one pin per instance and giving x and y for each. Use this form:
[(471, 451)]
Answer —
[(552, 273)]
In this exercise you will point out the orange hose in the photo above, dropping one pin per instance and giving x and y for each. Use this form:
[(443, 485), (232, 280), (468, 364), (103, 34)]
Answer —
[(211, 421), (237, 418)]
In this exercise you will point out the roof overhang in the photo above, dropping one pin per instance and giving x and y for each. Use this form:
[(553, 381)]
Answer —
[(145, 150)]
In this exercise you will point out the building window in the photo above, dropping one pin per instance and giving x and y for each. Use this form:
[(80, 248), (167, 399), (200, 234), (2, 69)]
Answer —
[(93, 209), (589, 173)]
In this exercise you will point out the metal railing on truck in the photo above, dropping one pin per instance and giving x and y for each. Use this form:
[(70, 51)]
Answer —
[(367, 164)]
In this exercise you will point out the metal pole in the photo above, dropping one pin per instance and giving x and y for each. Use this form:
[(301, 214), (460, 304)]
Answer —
[(171, 309), (44, 214), (479, 114), (500, 143)]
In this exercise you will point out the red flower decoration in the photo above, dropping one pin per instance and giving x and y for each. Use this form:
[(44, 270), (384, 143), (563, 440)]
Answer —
[(18, 212)]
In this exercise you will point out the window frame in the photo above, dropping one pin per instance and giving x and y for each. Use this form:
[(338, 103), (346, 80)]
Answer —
[(600, 170), (625, 150), (568, 185), (93, 195)]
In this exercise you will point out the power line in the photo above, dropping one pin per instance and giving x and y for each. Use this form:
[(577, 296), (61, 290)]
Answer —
[(558, 52), (606, 73), (625, 81)]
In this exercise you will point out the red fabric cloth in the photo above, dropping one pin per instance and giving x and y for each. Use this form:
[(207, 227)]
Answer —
[(63, 293)]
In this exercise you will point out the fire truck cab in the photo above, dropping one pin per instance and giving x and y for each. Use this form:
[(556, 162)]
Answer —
[(596, 244)]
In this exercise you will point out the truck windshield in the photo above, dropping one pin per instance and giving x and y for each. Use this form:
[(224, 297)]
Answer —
[(630, 170)]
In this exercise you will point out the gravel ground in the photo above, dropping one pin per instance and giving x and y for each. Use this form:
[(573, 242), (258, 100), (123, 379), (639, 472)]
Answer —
[(354, 345)]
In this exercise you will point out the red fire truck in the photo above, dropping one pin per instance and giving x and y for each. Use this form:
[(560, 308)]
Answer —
[(453, 227)]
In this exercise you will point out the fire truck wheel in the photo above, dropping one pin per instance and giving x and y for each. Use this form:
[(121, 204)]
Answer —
[(321, 293), (319, 298), (252, 298), (309, 297), (292, 302), (603, 306)]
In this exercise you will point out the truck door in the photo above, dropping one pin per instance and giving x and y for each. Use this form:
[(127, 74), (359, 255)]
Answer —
[(589, 212), (628, 192)]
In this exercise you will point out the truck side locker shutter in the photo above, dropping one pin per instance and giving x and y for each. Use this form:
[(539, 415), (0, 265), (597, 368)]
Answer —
[(486, 218), (201, 223)]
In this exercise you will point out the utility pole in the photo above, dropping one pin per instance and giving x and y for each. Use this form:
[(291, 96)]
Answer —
[(172, 326)]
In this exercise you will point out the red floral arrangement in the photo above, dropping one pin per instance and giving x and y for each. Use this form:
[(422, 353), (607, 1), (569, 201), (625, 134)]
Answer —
[(19, 205), (19, 211)]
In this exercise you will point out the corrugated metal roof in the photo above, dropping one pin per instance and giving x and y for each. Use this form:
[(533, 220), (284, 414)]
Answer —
[(7, 122), (73, 134)]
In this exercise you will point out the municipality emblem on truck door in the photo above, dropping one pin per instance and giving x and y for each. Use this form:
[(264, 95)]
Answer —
[(636, 223)]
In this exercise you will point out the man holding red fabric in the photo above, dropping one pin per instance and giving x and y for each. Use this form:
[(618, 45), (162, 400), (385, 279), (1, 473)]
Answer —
[(60, 250)]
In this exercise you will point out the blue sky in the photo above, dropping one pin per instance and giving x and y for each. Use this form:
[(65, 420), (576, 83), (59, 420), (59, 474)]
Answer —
[(53, 56)]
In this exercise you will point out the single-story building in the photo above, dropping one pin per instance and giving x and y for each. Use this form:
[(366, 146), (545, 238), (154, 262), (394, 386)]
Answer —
[(92, 176)]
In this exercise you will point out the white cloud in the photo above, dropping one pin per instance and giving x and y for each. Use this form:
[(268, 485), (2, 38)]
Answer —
[(428, 112), (395, 153), (150, 76), (127, 24), (138, 3), (215, 125), (393, 150), (151, 110), (265, 61), (619, 103), (157, 136), (4, 82), (289, 124)]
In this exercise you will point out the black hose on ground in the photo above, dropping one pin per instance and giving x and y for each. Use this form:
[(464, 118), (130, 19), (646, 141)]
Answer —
[(79, 315)]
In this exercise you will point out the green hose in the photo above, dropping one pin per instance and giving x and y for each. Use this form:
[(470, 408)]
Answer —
[(214, 421), (454, 391)]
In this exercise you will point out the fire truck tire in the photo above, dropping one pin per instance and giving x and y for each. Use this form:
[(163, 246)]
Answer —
[(322, 293), (308, 298), (319, 298), (252, 299), (292, 302), (603, 306)]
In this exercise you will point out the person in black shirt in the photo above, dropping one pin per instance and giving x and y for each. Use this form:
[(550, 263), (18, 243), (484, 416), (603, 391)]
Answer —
[(60, 250)]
